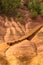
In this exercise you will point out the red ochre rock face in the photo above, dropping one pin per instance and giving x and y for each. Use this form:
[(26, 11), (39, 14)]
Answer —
[(38, 37), (26, 52)]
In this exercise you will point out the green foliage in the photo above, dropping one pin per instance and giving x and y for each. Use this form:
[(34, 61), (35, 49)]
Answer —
[(9, 5), (30, 6), (41, 9), (32, 9), (35, 7), (35, 4), (34, 13), (20, 16)]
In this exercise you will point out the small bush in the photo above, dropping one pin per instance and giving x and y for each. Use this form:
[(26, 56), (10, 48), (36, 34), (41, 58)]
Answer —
[(41, 9), (20, 16), (35, 7), (30, 5), (34, 14), (34, 4), (9, 5)]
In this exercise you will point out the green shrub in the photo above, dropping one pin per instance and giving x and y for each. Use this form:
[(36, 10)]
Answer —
[(9, 5), (20, 16), (34, 13), (30, 5), (34, 4), (35, 7), (41, 9), (0, 7)]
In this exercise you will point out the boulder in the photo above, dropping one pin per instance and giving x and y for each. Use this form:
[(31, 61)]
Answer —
[(21, 53)]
